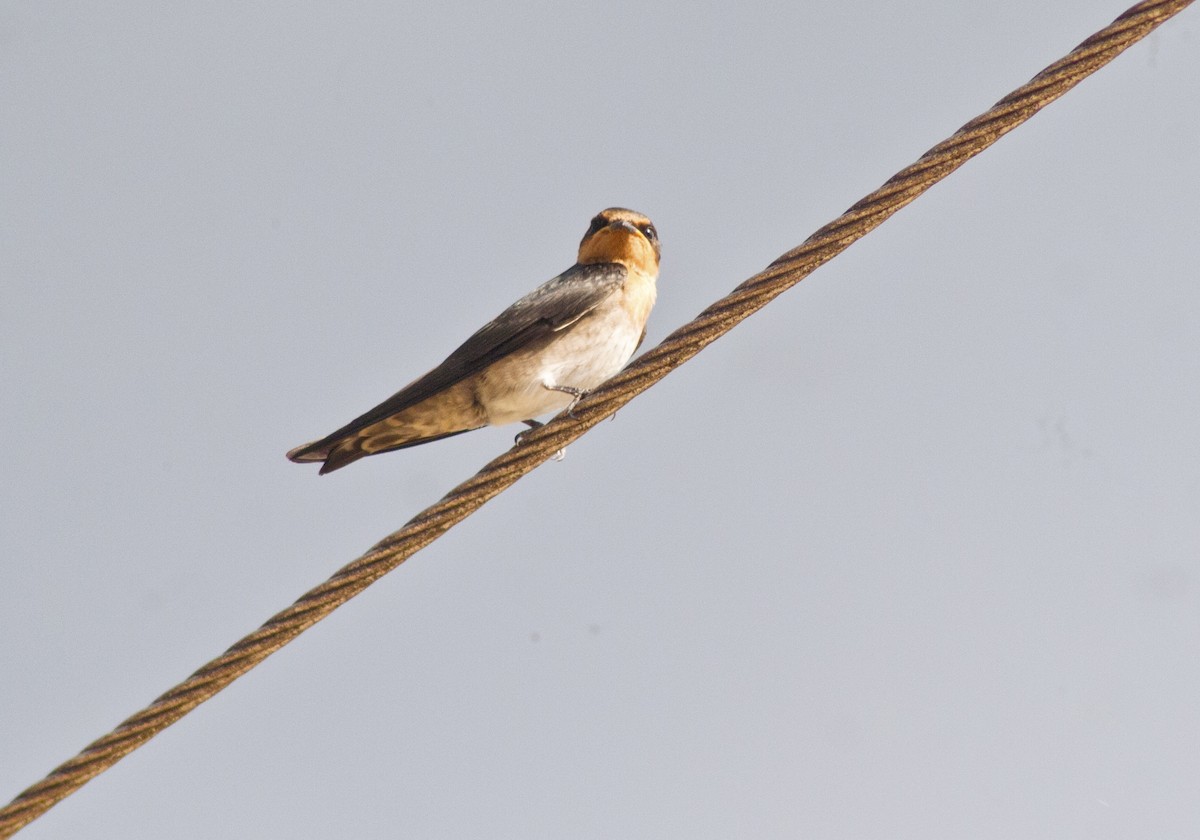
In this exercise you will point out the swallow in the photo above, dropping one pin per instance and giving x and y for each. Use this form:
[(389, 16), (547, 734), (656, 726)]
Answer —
[(541, 355)]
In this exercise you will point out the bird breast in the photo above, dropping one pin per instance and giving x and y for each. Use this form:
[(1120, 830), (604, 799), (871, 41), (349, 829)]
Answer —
[(580, 356)]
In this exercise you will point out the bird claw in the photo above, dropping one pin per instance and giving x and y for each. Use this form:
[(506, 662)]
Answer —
[(534, 424)]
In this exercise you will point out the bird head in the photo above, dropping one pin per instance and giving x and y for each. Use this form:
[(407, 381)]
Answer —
[(617, 235)]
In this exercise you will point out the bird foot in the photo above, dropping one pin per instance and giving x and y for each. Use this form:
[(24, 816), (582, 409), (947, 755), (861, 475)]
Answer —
[(534, 424), (576, 395)]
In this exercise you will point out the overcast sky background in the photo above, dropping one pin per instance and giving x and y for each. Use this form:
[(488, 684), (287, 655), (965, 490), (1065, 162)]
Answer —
[(913, 553)]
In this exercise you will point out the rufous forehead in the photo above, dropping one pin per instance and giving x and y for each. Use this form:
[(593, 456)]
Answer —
[(620, 214)]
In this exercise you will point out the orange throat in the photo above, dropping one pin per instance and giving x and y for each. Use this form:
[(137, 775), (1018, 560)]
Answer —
[(618, 245)]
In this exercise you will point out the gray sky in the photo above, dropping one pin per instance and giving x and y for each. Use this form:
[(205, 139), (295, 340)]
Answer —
[(913, 553)]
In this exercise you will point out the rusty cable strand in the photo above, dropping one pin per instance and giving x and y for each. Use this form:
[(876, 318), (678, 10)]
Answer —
[(541, 443)]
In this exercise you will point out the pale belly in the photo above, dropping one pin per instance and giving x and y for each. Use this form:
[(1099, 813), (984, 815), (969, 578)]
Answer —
[(581, 356)]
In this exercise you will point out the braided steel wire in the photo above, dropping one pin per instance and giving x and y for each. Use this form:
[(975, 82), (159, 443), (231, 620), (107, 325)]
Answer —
[(540, 444)]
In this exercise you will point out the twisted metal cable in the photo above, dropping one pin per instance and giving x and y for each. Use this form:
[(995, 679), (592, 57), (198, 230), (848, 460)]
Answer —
[(539, 444)]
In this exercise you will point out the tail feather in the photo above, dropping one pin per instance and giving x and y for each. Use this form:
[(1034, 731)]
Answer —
[(332, 455), (338, 453), (309, 453), (450, 411), (346, 452)]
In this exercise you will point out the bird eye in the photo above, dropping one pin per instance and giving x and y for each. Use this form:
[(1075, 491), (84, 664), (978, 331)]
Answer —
[(597, 223), (650, 232)]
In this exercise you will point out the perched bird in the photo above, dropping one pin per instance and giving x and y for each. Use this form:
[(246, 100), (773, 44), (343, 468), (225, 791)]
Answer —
[(542, 354)]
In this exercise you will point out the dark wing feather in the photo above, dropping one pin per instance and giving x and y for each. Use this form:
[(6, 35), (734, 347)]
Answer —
[(554, 305)]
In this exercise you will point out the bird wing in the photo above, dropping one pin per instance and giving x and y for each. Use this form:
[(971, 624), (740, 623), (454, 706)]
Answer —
[(551, 307)]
